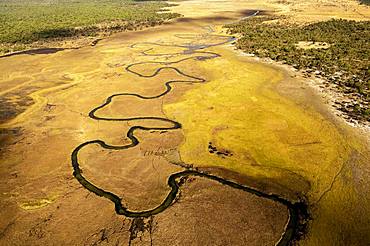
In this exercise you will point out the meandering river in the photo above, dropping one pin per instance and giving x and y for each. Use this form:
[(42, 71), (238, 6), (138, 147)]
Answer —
[(240, 126)]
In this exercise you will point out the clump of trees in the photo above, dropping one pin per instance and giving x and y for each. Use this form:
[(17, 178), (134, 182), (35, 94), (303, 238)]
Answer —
[(344, 62)]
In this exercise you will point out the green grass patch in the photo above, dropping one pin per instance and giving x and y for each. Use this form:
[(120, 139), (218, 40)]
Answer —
[(24, 22)]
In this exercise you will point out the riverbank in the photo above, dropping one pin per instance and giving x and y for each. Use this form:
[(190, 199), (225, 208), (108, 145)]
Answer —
[(330, 95)]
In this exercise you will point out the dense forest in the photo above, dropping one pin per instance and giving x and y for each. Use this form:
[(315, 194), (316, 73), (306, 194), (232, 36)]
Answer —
[(337, 50)]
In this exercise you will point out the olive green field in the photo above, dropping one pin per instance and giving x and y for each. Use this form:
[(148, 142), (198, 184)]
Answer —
[(25, 22)]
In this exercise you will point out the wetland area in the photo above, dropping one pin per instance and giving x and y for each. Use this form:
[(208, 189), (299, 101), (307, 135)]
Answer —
[(169, 135)]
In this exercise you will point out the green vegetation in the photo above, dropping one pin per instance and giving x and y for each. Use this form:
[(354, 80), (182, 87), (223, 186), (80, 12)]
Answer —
[(339, 51), (23, 22)]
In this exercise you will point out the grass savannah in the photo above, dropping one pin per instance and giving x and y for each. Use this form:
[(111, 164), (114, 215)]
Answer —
[(25, 22)]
